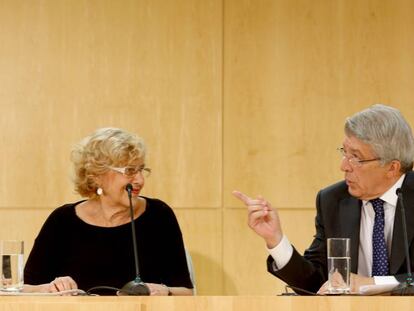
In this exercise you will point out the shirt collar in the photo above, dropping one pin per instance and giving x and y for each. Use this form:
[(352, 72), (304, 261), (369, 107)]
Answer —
[(390, 195)]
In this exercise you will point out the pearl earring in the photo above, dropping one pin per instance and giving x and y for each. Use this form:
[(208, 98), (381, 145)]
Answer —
[(99, 191)]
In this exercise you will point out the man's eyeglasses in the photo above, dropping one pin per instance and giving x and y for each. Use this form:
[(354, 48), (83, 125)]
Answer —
[(132, 171), (354, 161)]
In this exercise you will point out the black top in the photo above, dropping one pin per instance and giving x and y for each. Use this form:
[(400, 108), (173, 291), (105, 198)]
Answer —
[(102, 256)]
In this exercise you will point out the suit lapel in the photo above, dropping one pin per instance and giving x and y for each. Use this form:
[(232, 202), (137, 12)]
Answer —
[(397, 258), (350, 219)]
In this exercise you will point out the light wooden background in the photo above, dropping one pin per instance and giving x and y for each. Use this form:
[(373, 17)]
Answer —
[(228, 94)]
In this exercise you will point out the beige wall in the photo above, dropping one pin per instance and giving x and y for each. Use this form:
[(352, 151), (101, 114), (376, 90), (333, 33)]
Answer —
[(228, 94)]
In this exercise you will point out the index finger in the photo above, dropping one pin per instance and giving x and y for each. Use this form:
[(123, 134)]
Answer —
[(241, 196)]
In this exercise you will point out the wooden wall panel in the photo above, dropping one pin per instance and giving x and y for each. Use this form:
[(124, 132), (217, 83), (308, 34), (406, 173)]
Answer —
[(293, 71), (203, 237), (22, 224), (228, 94), (245, 254), (69, 67)]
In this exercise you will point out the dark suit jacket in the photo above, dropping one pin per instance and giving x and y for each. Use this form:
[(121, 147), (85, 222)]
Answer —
[(338, 215)]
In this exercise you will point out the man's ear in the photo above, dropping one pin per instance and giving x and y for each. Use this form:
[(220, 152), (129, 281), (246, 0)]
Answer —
[(394, 168)]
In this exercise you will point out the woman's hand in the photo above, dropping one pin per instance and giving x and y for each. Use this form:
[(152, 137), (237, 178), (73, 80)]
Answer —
[(62, 283), (158, 289), (59, 284)]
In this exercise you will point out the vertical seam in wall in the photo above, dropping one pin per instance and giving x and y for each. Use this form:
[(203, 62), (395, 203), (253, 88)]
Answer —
[(222, 142)]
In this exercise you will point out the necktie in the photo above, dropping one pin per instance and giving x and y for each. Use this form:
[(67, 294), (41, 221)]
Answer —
[(379, 248)]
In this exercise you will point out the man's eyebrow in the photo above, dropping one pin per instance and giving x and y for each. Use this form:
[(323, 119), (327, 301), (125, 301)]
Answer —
[(352, 150)]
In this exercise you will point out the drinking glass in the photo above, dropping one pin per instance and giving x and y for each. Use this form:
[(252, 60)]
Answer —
[(11, 265), (339, 265)]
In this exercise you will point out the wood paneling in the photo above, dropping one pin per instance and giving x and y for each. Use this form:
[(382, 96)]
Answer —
[(22, 224), (69, 67), (228, 94), (245, 254), (202, 231), (293, 71)]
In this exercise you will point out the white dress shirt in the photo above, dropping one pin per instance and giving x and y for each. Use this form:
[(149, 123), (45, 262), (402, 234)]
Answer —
[(282, 252)]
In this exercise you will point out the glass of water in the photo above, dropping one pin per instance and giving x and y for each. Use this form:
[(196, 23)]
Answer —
[(339, 265), (11, 265)]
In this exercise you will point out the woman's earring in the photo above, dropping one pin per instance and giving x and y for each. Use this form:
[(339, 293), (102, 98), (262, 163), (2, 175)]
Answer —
[(99, 191)]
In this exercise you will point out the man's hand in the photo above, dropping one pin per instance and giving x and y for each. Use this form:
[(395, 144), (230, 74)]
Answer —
[(262, 218), (356, 281)]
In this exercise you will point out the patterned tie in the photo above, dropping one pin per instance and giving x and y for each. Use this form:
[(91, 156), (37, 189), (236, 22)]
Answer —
[(379, 248)]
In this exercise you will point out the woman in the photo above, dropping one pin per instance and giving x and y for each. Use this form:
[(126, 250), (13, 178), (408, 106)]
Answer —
[(89, 243)]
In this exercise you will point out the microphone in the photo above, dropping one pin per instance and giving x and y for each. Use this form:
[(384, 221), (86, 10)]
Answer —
[(407, 288), (135, 287)]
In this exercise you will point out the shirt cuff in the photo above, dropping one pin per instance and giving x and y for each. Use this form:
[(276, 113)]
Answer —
[(385, 280), (281, 253)]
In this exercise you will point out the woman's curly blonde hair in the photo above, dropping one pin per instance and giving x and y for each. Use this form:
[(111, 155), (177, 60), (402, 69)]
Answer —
[(105, 147)]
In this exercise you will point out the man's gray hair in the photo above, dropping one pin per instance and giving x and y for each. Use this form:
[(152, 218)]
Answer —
[(386, 131)]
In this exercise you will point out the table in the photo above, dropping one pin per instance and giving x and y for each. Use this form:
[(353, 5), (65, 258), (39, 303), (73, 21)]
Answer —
[(206, 303)]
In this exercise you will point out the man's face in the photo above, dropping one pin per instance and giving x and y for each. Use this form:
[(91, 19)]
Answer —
[(366, 180)]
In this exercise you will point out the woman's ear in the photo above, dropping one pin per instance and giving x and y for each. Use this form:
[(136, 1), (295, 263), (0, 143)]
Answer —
[(97, 181)]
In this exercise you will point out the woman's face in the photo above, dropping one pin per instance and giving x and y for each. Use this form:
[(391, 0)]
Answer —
[(114, 183)]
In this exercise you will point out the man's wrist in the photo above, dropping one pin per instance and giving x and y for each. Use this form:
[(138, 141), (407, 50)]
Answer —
[(281, 253), (273, 242)]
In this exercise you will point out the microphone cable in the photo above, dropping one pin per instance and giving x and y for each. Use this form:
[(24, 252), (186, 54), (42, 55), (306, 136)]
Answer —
[(298, 289), (90, 291)]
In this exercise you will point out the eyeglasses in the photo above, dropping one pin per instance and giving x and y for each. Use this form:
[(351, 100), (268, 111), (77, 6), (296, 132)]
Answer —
[(354, 161), (132, 171)]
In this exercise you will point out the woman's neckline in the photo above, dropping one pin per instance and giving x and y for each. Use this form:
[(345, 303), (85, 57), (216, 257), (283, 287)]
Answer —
[(86, 210)]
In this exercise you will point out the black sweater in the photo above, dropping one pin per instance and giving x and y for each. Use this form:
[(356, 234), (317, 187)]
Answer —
[(101, 256)]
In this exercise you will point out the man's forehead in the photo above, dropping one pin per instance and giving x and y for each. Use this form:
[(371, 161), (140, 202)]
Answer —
[(353, 144)]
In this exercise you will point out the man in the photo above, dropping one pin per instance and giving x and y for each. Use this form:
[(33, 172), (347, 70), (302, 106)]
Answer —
[(377, 159)]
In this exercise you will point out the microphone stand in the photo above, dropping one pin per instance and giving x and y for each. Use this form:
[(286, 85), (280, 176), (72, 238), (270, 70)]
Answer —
[(135, 287), (406, 288)]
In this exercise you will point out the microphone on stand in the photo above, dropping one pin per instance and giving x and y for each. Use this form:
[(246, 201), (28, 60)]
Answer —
[(406, 288), (135, 287)]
